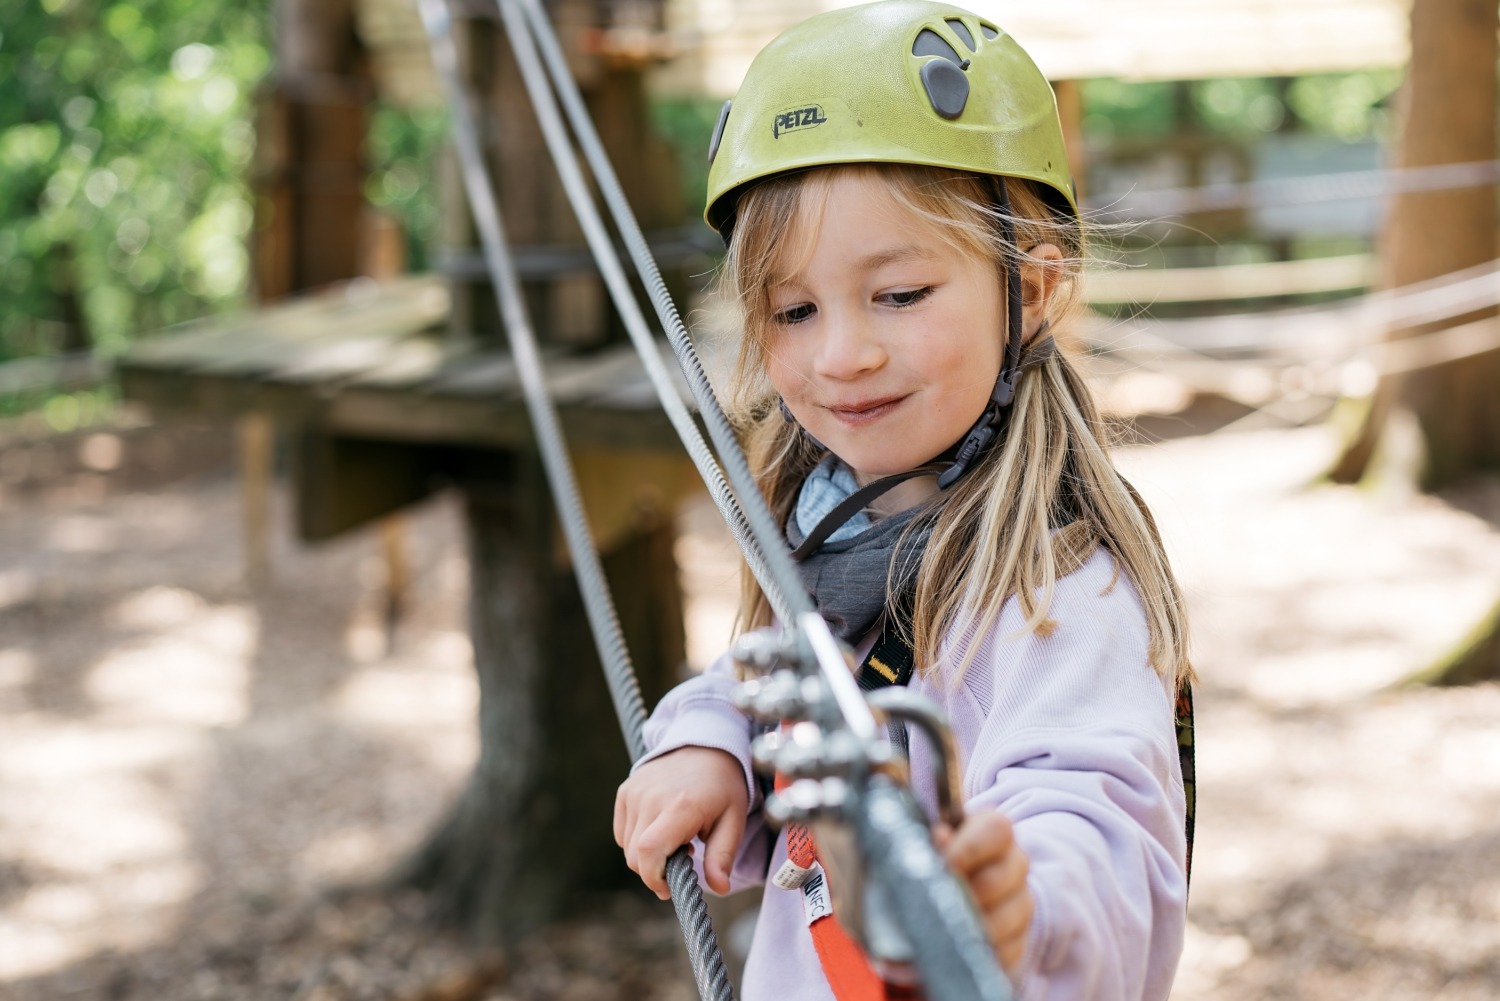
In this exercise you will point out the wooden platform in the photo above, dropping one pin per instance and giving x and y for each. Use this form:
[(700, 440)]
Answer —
[(372, 360)]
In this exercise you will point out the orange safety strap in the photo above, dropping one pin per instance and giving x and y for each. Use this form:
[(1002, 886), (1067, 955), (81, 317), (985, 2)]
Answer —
[(845, 964), (848, 969)]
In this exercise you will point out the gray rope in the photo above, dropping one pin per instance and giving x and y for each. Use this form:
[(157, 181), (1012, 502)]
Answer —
[(787, 595), (615, 279), (603, 622), (703, 949), (704, 954)]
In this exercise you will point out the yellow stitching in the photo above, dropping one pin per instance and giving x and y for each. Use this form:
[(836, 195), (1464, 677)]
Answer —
[(885, 671)]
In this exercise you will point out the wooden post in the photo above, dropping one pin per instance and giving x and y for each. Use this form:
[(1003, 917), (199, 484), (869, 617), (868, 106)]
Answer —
[(309, 166), (257, 437), (532, 828), (1070, 112), (1447, 110)]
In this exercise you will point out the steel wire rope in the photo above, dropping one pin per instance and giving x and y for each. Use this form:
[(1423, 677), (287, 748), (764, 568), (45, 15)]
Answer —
[(558, 468), (1309, 189), (787, 595), (952, 952), (708, 966), (606, 257)]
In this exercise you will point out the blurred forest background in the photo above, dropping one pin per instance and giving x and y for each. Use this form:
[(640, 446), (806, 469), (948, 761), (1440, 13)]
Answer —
[(127, 136), (249, 736)]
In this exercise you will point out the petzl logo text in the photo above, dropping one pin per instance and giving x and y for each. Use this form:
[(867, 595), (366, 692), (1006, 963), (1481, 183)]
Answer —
[(797, 118)]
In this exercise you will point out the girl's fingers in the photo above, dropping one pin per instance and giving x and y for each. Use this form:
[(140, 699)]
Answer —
[(719, 847), (998, 881), (982, 839), (1007, 927), (622, 812), (651, 847)]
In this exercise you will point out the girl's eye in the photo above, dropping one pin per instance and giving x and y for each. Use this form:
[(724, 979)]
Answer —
[(907, 297), (795, 314)]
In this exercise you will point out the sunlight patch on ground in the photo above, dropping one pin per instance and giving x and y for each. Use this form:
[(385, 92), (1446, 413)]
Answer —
[(352, 854), (157, 608), (17, 585), (197, 675), (1206, 959), (17, 668), (98, 844), (81, 533), (413, 697), (61, 921)]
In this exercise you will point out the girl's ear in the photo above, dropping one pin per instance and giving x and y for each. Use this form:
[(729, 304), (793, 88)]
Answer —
[(1040, 271)]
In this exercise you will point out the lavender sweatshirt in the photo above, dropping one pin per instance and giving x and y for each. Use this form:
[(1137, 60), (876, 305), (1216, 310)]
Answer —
[(1070, 735)]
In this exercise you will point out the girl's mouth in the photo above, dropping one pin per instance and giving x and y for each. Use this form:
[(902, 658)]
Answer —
[(858, 412)]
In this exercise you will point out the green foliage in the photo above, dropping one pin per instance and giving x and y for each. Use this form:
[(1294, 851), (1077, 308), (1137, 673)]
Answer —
[(688, 124), (125, 138), (1238, 105), (402, 149), (1121, 108), (1347, 106)]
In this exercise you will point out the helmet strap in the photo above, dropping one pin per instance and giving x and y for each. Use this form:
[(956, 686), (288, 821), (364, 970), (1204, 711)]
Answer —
[(982, 435)]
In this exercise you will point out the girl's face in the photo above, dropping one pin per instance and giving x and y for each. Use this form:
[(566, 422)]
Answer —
[(886, 344)]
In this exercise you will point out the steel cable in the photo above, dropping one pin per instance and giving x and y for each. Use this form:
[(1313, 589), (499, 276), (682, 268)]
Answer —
[(787, 596), (603, 622), (707, 960), (576, 188), (968, 969)]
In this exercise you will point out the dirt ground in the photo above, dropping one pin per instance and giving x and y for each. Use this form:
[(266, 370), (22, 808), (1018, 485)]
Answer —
[(190, 767)]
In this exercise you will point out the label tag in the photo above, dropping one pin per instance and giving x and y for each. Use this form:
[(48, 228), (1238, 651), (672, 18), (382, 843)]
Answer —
[(816, 902), (791, 875)]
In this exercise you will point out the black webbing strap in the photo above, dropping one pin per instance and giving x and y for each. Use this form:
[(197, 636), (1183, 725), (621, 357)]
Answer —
[(853, 504), (1189, 768), (890, 661)]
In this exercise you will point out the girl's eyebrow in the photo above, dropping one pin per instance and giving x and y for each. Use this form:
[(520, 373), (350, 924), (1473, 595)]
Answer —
[(895, 255)]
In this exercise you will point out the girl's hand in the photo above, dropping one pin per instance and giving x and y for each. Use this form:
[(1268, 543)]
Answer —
[(692, 791), (984, 852)]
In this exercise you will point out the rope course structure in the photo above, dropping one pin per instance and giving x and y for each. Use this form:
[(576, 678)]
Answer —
[(805, 674), (1261, 359), (1281, 192)]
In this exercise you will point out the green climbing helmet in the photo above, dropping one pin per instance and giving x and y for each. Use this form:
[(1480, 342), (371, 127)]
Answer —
[(899, 81)]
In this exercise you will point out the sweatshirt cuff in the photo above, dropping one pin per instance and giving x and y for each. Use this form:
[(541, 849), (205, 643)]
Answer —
[(710, 723)]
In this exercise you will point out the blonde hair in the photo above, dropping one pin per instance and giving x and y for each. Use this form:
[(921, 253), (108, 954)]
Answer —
[(1038, 503)]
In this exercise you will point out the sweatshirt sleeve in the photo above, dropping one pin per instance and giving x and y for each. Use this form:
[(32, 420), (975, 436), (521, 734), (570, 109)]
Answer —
[(700, 713), (1076, 746)]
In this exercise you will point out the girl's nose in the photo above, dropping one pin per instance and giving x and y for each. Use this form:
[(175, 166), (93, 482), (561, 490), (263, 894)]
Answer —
[(847, 350)]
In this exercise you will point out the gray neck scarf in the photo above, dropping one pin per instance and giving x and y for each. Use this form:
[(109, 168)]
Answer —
[(847, 579)]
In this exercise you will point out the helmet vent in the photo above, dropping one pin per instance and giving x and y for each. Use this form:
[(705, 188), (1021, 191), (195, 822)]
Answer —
[(989, 31), (930, 43), (962, 31), (943, 78), (718, 136)]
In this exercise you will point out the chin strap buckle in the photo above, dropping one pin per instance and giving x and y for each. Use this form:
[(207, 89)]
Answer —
[(973, 445)]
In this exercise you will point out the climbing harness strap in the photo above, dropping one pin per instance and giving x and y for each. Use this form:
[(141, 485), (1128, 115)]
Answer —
[(1185, 758)]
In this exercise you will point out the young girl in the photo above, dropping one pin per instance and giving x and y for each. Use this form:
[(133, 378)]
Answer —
[(893, 187)]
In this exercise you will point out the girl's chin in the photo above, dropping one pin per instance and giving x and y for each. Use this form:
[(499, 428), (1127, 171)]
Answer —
[(870, 467)]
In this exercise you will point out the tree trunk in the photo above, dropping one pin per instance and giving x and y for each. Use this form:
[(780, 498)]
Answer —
[(1447, 116), (533, 829)]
